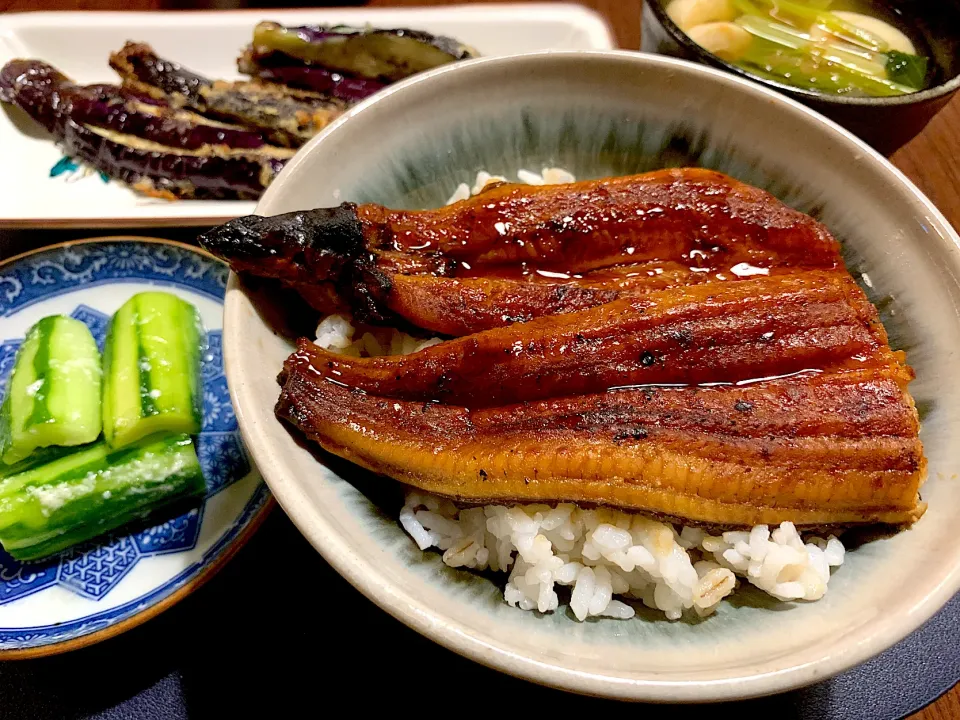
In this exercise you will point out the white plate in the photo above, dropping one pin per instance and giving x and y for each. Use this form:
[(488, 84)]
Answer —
[(209, 42)]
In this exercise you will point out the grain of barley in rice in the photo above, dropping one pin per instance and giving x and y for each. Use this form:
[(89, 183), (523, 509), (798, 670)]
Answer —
[(604, 560)]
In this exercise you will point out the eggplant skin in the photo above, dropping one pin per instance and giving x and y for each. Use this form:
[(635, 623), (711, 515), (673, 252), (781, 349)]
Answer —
[(164, 125), (158, 77), (388, 55), (319, 33), (272, 107), (171, 174), (289, 117), (34, 87), (278, 68), (49, 96), (94, 125)]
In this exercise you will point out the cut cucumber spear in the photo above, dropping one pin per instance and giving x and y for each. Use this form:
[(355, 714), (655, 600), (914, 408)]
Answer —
[(151, 366), (53, 396), (94, 489)]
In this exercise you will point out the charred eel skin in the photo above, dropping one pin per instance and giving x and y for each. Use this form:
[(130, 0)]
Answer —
[(492, 256), (286, 247)]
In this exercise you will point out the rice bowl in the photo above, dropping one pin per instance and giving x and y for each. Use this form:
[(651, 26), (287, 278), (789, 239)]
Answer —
[(883, 590)]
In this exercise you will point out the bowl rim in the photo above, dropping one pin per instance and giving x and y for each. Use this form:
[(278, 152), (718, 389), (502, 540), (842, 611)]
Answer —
[(455, 633), (944, 89)]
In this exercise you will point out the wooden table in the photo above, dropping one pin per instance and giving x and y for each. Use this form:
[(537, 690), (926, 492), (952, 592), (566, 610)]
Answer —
[(932, 160)]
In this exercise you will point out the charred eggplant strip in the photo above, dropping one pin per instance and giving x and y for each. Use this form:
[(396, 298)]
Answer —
[(193, 170), (161, 171), (49, 97), (160, 124), (140, 68), (377, 54), (277, 68), (290, 116), (272, 107)]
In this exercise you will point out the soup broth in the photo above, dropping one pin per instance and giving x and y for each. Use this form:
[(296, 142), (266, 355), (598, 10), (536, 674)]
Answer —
[(840, 47)]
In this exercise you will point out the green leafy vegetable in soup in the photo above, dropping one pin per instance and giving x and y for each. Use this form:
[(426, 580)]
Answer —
[(809, 44)]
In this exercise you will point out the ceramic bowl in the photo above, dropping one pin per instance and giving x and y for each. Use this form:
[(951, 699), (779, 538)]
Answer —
[(601, 114), (885, 123)]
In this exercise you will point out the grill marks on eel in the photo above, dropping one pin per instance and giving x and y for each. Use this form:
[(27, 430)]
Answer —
[(514, 252), (509, 414), (690, 335), (830, 450), (583, 226)]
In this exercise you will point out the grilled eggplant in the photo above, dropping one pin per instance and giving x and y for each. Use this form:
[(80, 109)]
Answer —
[(167, 123), (113, 109), (289, 116), (278, 68), (49, 96), (152, 147), (387, 55), (207, 173)]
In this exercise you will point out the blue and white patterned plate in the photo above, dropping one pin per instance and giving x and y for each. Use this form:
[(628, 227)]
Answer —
[(97, 590)]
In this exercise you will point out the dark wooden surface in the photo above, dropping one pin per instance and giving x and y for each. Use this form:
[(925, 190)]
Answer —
[(932, 160)]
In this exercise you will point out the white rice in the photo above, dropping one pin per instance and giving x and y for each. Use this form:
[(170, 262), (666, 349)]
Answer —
[(549, 176), (336, 333), (602, 554)]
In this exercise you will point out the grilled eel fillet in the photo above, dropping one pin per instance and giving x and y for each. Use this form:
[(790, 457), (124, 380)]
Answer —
[(700, 432), (687, 335), (824, 449), (694, 392), (517, 252)]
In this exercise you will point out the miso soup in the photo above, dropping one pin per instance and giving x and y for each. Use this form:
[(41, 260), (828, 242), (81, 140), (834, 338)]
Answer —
[(840, 47)]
